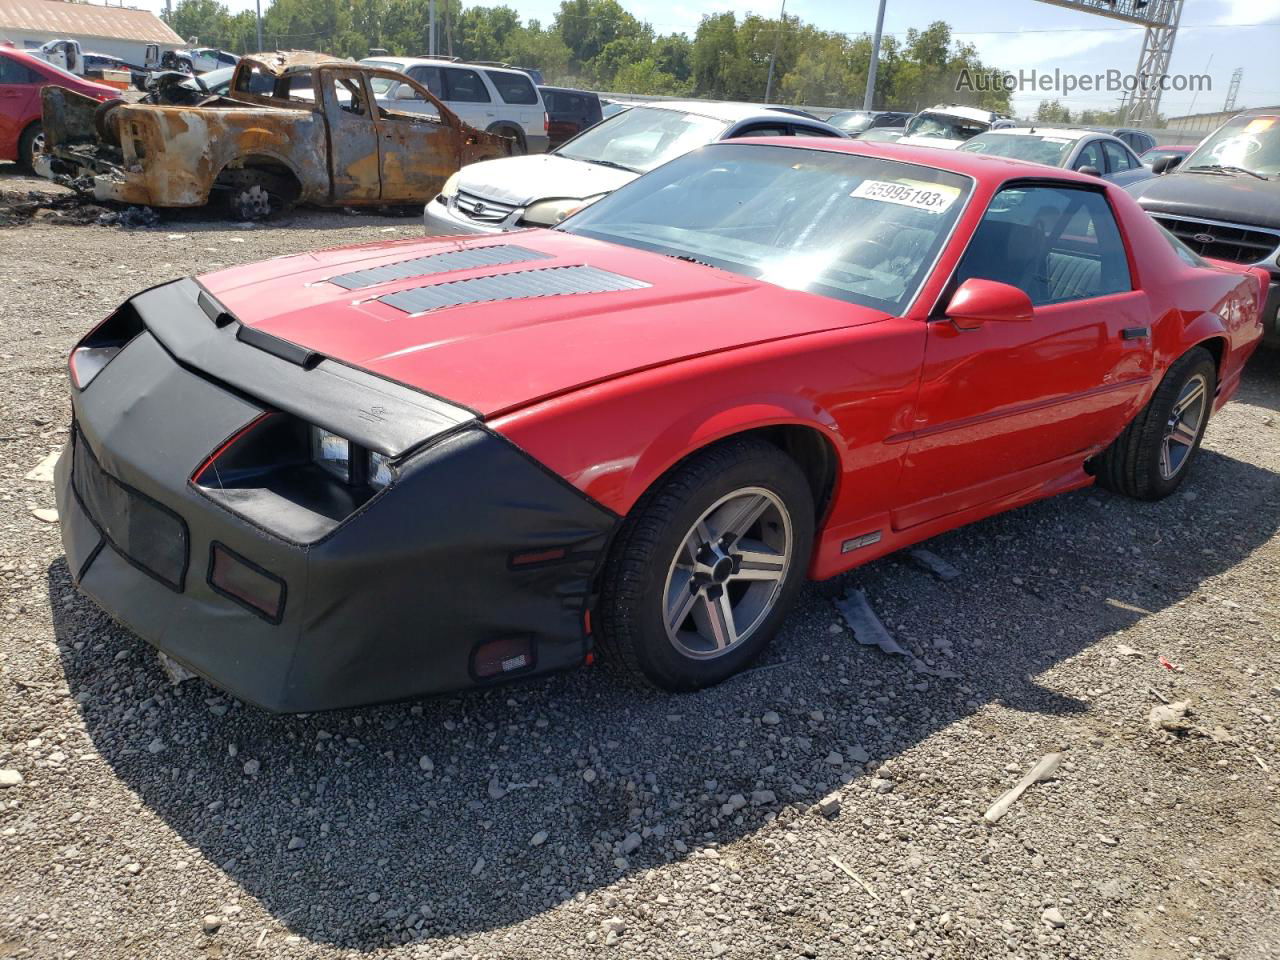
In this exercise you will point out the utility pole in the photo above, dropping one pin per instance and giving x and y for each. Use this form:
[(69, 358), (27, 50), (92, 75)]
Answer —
[(869, 97), (431, 29), (260, 26), (777, 38)]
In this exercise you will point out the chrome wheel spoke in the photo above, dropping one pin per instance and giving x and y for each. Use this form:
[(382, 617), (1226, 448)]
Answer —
[(720, 623), (1190, 397), (758, 561), (680, 600), (740, 515), (1184, 433), (1166, 460)]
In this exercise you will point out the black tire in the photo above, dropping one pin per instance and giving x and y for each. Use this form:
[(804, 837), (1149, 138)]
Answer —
[(1132, 465), (633, 630), (29, 145), (519, 148), (103, 121)]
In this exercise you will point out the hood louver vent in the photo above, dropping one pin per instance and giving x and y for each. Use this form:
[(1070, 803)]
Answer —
[(521, 285), (493, 256)]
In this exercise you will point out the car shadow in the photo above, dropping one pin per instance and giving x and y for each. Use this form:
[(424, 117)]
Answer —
[(421, 814)]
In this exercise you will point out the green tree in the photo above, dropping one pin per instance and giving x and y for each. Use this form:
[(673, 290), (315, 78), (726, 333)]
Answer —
[(1051, 111)]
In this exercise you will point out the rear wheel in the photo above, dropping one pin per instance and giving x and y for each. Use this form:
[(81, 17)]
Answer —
[(519, 148), (31, 145), (705, 567), (1151, 457), (256, 194)]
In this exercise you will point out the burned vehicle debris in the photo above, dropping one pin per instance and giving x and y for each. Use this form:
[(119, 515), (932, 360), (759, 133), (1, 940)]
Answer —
[(292, 128)]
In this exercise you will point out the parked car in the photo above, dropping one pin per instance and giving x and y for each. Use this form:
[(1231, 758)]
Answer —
[(377, 472), (22, 77), (534, 74), (949, 125), (854, 122), (1174, 153), (197, 60), (1139, 141), (1223, 201), (569, 112), (497, 100), (880, 134), (541, 191), (1097, 153), (294, 127), (177, 89)]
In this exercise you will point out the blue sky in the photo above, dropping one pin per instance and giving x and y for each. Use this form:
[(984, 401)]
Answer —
[(1025, 34)]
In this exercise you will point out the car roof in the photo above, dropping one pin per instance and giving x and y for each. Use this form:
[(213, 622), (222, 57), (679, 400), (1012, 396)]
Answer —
[(587, 93), (444, 62), (979, 166), (1061, 133), (968, 113)]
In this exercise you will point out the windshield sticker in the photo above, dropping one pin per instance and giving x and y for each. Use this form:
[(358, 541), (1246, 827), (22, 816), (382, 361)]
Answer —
[(930, 197)]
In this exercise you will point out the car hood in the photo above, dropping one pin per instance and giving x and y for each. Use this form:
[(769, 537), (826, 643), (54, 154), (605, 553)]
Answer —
[(1232, 198), (546, 176), (496, 356)]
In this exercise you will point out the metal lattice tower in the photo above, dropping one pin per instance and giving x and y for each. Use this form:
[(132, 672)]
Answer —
[(1233, 90), (1160, 17)]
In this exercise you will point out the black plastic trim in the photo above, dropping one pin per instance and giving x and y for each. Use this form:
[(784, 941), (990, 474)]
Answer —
[(299, 356)]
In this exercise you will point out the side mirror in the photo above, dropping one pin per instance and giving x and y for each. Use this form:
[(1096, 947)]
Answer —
[(1165, 164), (1090, 170), (979, 301), (405, 92)]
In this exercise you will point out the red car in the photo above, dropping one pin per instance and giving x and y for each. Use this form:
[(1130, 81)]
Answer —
[(22, 76), (414, 466)]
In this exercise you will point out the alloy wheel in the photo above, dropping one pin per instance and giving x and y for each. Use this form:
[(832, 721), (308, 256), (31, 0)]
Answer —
[(1182, 431), (728, 573)]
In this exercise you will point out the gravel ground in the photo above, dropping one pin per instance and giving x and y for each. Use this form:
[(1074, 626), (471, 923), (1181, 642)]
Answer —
[(577, 817)]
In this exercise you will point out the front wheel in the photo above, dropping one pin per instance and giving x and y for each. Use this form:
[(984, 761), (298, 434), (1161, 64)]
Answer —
[(704, 568), (1153, 455)]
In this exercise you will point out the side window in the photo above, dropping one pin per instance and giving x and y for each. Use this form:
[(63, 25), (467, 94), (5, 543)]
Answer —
[(803, 131), (1090, 156), (552, 102), (513, 87), (430, 78), (764, 130), (13, 72), (465, 86), (1056, 244), (1117, 156)]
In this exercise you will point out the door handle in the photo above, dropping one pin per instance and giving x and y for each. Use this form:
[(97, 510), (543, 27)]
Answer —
[(1135, 333)]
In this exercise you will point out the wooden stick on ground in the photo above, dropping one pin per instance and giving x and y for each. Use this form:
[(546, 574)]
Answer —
[(1041, 771)]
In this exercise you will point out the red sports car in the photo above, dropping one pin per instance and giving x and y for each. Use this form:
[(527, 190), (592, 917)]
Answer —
[(22, 77), (410, 467)]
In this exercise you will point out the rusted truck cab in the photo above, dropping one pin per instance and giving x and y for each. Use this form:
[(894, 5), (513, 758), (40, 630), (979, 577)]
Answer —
[(296, 127)]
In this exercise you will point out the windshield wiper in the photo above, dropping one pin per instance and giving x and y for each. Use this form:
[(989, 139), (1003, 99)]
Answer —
[(1228, 168), (602, 163)]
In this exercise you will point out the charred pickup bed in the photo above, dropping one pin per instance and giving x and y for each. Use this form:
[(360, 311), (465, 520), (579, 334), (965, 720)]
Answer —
[(293, 128)]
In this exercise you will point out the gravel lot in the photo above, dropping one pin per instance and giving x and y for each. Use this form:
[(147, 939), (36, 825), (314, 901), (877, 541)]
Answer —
[(577, 817)]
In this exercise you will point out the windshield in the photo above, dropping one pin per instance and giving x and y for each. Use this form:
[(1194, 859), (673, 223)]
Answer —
[(855, 121), (642, 138), (859, 229), (1034, 147), (1252, 143), (946, 127)]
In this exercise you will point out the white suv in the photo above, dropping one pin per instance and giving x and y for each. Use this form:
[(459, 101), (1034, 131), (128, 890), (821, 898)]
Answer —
[(493, 99)]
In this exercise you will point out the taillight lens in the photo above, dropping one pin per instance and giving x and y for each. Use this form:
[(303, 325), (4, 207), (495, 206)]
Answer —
[(91, 355), (248, 584), (546, 122)]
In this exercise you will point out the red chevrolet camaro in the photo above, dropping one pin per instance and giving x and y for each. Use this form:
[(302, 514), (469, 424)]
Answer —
[(415, 466)]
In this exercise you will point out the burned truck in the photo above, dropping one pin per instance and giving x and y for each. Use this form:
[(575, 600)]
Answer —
[(291, 128)]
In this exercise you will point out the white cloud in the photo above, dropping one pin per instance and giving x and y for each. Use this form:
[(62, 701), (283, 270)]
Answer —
[(1248, 11)]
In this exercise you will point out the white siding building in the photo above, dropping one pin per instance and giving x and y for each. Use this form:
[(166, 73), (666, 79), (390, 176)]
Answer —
[(122, 32)]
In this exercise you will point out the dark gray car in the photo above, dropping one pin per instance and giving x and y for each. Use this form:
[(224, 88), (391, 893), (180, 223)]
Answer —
[(1085, 150)]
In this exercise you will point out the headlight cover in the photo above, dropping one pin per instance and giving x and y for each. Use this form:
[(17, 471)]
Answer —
[(450, 188), (548, 213)]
